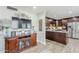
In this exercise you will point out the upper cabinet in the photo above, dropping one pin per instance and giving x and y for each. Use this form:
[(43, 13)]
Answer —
[(74, 19), (50, 21), (64, 22), (15, 22), (21, 23), (59, 22)]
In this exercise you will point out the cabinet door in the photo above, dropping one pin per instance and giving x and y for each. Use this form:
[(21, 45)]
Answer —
[(33, 39), (60, 23), (6, 45), (15, 24), (11, 45), (16, 44)]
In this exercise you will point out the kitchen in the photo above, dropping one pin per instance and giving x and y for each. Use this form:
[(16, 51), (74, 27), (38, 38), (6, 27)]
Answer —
[(56, 30), (24, 27), (62, 29), (43, 29)]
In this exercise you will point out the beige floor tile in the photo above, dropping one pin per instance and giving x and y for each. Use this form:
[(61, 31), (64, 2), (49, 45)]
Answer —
[(55, 47)]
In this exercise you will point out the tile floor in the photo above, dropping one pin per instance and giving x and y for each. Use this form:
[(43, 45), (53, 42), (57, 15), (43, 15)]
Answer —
[(55, 47)]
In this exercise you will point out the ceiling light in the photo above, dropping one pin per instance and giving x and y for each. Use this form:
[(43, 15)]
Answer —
[(34, 7)]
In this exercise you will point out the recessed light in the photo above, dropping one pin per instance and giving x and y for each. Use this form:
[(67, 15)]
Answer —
[(34, 7)]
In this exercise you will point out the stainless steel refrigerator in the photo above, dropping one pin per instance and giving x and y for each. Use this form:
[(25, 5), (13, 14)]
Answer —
[(73, 30)]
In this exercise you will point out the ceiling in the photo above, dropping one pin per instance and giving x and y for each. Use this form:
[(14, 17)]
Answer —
[(56, 12)]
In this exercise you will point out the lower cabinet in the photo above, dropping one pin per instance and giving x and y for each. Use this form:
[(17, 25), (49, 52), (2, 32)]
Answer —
[(13, 45), (56, 36), (24, 43), (33, 39)]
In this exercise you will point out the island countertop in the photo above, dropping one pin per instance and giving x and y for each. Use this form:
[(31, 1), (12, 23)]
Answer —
[(62, 31)]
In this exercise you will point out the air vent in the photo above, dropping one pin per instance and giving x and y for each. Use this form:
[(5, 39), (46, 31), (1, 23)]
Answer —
[(11, 8)]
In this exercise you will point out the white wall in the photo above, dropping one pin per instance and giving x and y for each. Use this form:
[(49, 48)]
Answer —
[(2, 43), (6, 15), (41, 34), (5, 18)]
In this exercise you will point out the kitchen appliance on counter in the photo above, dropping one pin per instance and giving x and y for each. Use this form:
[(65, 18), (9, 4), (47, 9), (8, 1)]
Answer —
[(73, 30)]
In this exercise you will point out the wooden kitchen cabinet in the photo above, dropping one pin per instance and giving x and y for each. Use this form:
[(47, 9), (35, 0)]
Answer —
[(59, 22), (56, 36), (33, 39), (11, 45), (64, 22)]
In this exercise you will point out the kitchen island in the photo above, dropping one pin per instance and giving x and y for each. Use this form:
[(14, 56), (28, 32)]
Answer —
[(58, 36)]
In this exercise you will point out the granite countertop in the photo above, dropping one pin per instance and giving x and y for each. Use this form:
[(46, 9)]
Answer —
[(63, 31)]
